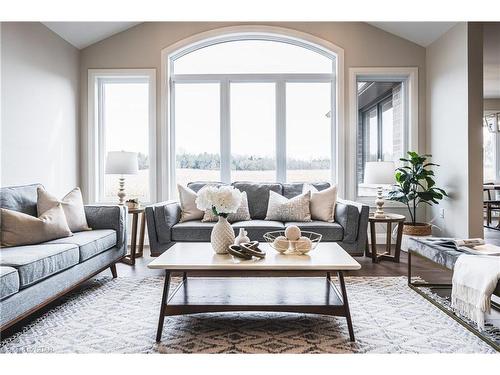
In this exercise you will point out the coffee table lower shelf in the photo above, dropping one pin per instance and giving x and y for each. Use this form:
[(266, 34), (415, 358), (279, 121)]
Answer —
[(314, 295)]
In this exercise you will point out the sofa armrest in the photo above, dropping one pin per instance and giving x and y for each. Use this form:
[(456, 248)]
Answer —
[(353, 217), (109, 217), (161, 217)]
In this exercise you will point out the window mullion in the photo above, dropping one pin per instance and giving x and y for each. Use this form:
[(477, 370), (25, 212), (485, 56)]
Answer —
[(281, 131), (225, 131)]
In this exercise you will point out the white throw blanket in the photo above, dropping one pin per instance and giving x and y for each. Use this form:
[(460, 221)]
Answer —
[(474, 280)]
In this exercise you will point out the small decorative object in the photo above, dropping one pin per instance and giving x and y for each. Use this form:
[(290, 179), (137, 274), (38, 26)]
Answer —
[(246, 250), (133, 203), (242, 237), (222, 201), (415, 185), (237, 251), (280, 244), (292, 232), (122, 163), (379, 173), (305, 243)]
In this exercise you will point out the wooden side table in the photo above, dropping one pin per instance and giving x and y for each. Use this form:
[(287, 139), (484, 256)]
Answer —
[(389, 219), (136, 212)]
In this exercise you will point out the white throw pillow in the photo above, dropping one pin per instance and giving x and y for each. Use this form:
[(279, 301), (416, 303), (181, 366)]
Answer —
[(72, 205), (322, 202), (21, 229), (283, 209), (242, 214), (187, 200)]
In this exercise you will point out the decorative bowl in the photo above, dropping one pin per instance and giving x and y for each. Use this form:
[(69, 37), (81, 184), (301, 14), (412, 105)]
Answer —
[(276, 240)]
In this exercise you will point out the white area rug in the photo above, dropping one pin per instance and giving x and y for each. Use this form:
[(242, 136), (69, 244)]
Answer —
[(120, 316)]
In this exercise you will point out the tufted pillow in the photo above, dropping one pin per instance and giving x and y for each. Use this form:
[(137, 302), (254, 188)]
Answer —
[(281, 208)]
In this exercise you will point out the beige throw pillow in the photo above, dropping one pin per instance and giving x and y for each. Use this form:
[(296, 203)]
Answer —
[(283, 209), (242, 214), (72, 205), (187, 200), (22, 229), (322, 202)]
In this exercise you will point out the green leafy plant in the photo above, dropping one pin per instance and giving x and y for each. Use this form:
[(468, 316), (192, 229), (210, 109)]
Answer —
[(415, 184)]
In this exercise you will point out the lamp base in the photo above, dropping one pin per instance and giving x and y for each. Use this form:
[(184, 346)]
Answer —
[(379, 212), (121, 191)]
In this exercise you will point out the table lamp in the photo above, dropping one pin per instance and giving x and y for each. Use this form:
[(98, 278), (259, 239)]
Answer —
[(122, 163), (379, 173)]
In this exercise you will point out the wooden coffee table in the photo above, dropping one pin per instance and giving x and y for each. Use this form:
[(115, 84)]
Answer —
[(193, 295)]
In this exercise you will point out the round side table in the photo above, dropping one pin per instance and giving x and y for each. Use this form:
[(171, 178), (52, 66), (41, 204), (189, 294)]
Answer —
[(136, 212), (389, 219)]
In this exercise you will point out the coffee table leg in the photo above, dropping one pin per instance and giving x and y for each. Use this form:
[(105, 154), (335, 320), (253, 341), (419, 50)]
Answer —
[(346, 306), (164, 300)]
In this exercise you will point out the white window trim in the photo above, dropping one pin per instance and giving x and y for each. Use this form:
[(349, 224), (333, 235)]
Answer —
[(167, 133), (407, 74), (94, 143)]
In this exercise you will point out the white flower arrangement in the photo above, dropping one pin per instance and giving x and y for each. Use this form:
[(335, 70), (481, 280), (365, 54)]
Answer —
[(222, 200)]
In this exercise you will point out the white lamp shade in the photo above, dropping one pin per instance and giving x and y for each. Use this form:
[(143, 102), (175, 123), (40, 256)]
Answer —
[(379, 172), (122, 162)]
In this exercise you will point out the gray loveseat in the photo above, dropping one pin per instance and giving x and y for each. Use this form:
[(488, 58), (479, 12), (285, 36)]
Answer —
[(32, 276), (349, 228)]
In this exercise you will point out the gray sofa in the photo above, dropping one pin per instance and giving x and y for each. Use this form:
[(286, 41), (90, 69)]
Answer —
[(349, 228), (32, 276)]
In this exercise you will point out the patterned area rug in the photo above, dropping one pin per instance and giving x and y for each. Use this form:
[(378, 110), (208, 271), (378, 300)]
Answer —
[(120, 316)]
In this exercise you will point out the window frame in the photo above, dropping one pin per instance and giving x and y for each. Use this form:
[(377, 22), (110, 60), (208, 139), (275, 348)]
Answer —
[(378, 107), (409, 80), (245, 33), (96, 128)]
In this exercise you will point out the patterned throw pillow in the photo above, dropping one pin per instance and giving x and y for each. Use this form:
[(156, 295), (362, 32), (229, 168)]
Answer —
[(281, 208), (242, 214)]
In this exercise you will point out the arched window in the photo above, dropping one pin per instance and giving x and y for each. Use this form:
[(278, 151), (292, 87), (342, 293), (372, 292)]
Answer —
[(253, 107)]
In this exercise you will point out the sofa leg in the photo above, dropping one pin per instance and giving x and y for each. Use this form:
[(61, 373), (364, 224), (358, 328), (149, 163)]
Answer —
[(113, 270)]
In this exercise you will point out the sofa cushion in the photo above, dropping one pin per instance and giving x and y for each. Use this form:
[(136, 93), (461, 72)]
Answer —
[(90, 242), (329, 231), (195, 231), (9, 282), (257, 228), (293, 189), (20, 198), (37, 262), (258, 196)]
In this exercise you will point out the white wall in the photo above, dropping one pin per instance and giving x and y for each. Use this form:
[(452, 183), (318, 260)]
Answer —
[(454, 97), (39, 100)]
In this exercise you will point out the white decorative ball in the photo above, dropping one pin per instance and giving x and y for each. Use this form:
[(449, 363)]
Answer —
[(303, 245), (292, 232), (281, 244)]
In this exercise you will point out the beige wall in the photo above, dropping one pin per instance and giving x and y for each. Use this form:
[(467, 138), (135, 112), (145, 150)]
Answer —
[(140, 47), (39, 99), (454, 111)]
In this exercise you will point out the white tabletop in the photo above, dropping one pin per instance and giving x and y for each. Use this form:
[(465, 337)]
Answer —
[(327, 256)]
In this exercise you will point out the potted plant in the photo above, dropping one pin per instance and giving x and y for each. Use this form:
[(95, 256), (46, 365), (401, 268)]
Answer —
[(415, 186)]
